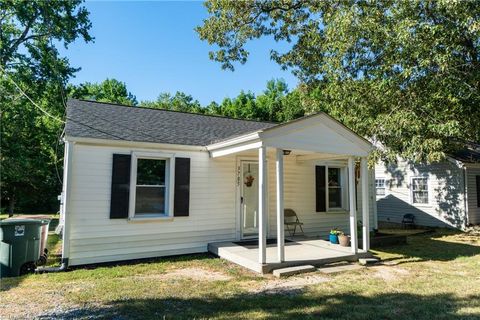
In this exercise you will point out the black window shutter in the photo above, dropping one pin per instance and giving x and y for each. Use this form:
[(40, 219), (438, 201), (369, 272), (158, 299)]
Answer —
[(320, 189), (478, 191), (120, 186), (181, 201)]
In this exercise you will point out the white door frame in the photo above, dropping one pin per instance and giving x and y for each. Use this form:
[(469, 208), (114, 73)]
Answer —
[(238, 194)]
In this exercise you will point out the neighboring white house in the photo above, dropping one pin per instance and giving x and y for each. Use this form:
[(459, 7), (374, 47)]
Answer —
[(142, 182), (444, 194)]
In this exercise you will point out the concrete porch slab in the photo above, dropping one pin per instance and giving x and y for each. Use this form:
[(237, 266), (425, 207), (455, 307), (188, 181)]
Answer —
[(313, 252)]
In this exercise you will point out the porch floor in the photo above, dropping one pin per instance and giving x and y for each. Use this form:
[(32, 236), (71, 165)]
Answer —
[(313, 251)]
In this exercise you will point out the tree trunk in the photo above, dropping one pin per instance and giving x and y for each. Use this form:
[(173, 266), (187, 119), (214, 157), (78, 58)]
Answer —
[(11, 206)]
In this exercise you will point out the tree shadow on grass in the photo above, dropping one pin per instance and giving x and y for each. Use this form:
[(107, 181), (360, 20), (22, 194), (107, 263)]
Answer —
[(432, 247), (282, 306)]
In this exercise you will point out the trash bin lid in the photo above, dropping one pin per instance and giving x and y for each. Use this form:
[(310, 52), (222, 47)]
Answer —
[(13, 221)]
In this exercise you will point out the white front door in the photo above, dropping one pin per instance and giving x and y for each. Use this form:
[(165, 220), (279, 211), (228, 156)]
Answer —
[(249, 199)]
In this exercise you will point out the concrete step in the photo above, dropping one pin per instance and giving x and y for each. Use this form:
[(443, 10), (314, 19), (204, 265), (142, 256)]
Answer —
[(285, 272), (368, 261)]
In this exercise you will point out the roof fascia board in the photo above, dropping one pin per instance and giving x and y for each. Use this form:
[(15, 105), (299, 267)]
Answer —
[(456, 162), (249, 137), (472, 165), (136, 144), (235, 149)]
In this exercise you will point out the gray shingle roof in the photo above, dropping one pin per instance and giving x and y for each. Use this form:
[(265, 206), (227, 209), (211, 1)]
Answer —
[(89, 119), (467, 155)]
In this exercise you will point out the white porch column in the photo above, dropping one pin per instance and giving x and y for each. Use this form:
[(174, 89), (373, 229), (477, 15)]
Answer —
[(352, 205), (365, 204), (280, 213), (262, 204)]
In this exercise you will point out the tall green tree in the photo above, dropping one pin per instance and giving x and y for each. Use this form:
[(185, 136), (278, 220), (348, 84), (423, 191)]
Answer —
[(243, 106), (404, 73), (30, 65), (271, 99), (178, 102), (109, 90)]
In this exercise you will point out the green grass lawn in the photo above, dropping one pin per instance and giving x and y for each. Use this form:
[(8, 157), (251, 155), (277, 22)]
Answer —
[(435, 276)]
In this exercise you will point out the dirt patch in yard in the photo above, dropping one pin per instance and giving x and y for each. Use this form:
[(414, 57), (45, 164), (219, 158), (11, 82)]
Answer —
[(197, 274), (389, 273), (287, 285)]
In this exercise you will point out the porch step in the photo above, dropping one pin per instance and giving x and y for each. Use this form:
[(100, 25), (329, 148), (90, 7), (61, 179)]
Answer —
[(285, 272), (368, 261)]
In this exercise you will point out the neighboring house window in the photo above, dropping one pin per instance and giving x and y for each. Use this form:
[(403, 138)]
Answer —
[(151, 185), (420, 190), (334, 188), (380, 187), (329, 186)]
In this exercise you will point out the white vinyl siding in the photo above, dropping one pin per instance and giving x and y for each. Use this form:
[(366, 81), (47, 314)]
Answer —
[(473, 210), (446, 202), (94, 237), (214, 215)]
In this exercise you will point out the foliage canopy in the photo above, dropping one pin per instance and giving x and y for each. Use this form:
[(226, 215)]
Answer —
[(404, 73), (30, 60)]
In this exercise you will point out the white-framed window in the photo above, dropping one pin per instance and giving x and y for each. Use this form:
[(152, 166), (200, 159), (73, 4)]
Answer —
[(335, 188), (151, 185), (331, 187), (380, 187), (419, 188)]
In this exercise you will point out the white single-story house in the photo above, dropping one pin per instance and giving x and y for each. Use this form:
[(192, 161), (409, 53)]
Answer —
[(442, 194), (142, 182)]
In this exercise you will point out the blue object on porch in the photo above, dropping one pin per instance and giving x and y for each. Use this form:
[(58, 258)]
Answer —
[(333, 238)]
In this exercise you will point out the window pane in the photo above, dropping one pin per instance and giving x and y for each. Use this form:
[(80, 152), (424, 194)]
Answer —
[(151, 172), (380, 183), (150, 200), (380, 187), (420, 190), (419, 184), (333, 177), (420, 197), (335, 197)]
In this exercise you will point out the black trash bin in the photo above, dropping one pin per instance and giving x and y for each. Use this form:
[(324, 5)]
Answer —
[(20, 243)]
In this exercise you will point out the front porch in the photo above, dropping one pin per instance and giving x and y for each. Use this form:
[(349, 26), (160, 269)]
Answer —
[(308, 251), (322, 157)]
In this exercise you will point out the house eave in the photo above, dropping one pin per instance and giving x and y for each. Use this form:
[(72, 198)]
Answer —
[(137, 144)]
